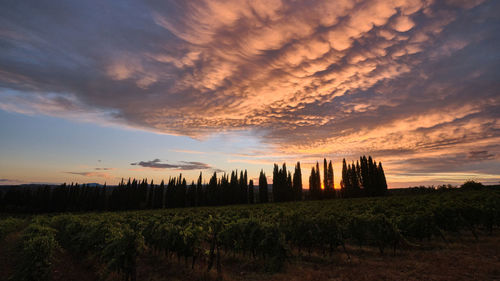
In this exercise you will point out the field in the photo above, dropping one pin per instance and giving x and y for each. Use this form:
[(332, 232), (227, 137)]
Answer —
[(449, 235)]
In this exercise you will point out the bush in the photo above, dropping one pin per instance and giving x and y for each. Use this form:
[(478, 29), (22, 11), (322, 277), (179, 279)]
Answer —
[(9, 225), (472, 185), (37, 247)]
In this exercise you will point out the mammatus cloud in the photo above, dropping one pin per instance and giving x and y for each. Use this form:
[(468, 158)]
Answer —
[(182, 165), (411, 80)]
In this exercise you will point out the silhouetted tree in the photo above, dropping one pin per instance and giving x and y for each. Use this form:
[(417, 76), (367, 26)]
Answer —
[(200, 195), (382, 181), (263, 193), (191, 195), (158, 195), (151, 191), (325, 177), (250, 192), (243, 194), (331, 182), (297, 183), (315, 183), (212, 190)]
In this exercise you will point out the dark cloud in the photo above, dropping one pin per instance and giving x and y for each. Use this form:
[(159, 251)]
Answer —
[(93, 174), (9, 181), (104, 169), (155, 164), (480, 155), (461, 162), (182, 165), (397, 79)]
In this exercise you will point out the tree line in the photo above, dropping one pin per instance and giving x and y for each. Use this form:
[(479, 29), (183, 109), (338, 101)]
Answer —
[(365, 178)]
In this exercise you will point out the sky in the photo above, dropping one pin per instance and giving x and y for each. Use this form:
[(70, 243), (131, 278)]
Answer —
[(96, 91)]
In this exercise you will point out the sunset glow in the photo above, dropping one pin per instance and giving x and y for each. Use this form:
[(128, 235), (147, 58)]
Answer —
[(94, 91)]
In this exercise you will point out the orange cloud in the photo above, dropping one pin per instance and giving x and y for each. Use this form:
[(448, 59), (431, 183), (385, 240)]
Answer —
[(310, 78)]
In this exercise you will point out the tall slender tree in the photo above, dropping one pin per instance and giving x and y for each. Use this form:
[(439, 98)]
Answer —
[(311, 183), (200, 196), (191, 195), (159, 195), (243, 194), (263, 192), (289, 195), (277, 184), (297, 183), (325, 176), (250, 192), (329, 186), (382, 180), (317, 182), (151, 192)]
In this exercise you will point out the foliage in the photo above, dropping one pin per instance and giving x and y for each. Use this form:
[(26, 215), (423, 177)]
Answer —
[(365, 178), (270, 233), (36, 252), (9, 225), (470, 184)]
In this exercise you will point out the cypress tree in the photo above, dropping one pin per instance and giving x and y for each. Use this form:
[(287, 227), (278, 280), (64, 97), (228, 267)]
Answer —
[(243, 194), (250, 193), (263, 193), (317, 182), (276, 184), (191, 195), (289, 190), (383, 182), (345, 181), (311, 183), (234, 187), (151, 197), (354, 179), (169, 194), (297, 182), (313, 193), (182, 192), (224, 191), (281, 186), (159, 195), (363, 172), (330, 181), (212, 190), (325, 177), (199, 192), (370, 189)]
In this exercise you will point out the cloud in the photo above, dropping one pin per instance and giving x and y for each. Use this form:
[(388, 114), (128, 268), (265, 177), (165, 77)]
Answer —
[(105, 169), (188, 151), (480, 155), (5, 181), (182, 165), (8, 180), (339, 78), (93, 174)]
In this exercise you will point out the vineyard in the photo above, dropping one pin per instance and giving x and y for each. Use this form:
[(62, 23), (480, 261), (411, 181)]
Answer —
[(269, 235)]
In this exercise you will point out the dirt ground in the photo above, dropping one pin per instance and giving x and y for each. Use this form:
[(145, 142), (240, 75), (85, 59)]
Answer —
[(462, 258)]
